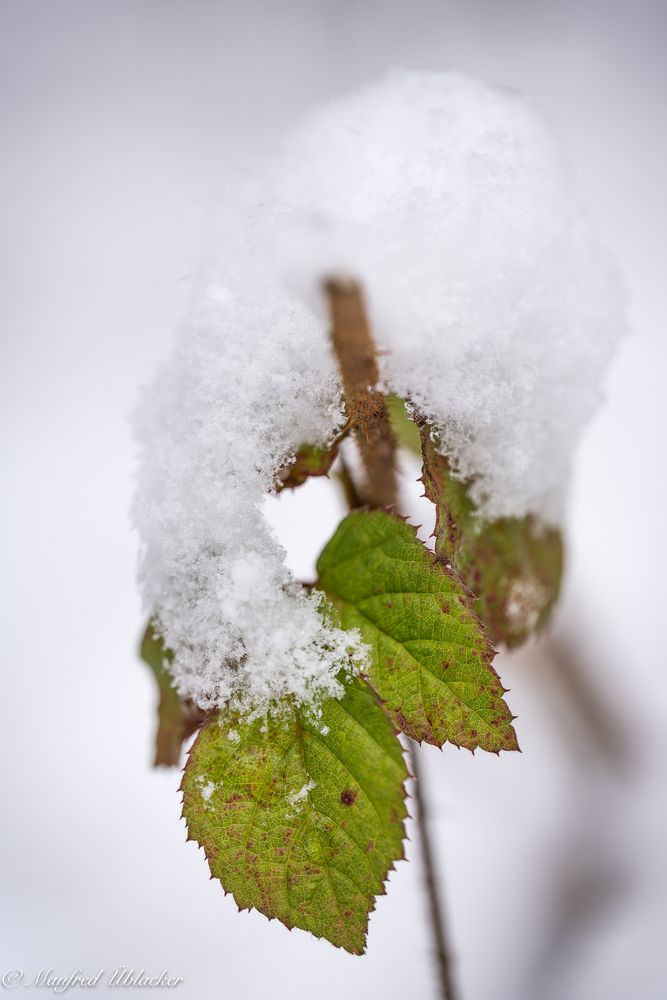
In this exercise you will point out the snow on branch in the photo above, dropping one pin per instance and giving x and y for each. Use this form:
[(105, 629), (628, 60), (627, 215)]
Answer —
[(495, 313)]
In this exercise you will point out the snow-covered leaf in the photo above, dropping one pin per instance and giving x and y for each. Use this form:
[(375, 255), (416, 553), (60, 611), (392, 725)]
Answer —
[(492, 308), (310, 460), (301, 817), (512, 565), (431, 660)]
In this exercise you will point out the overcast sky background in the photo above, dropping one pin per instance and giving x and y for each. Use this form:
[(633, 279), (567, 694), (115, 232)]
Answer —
[(119, 122)]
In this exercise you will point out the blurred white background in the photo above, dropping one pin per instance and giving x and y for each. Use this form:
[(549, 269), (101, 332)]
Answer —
[(120, 119)]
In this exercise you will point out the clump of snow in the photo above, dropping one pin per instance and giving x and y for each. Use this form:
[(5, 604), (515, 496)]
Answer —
[(295, 797), (495, 312), (206, 788), (493, 304), (251, 378)]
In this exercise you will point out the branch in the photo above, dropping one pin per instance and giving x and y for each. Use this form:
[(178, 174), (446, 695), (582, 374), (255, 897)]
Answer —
[(367, 410)]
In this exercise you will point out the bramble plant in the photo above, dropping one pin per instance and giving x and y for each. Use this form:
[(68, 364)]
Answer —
[(474, 330), (301, 814)]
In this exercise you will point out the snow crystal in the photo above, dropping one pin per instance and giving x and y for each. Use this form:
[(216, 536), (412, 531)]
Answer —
[(295, 797), (206, 788), (495, 312)]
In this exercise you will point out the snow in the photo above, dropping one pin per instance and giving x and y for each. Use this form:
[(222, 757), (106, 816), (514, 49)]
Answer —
[(249, 381), (495, 312), (206, 788), (207, 791), (299, 796), (494, 307)]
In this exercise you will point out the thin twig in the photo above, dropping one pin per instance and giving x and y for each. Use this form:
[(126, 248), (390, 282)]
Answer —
[(368, 414), (443, 957)]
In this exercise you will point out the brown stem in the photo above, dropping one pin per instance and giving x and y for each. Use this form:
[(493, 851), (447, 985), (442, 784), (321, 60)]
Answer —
[(355, 350), (367, 411)]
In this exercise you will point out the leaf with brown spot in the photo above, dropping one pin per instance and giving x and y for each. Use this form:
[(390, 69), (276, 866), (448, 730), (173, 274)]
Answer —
[(285, 809)]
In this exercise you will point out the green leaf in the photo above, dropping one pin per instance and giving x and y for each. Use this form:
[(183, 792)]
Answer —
[(431, 660), (512, 565), (176, 719), (301, 818)]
